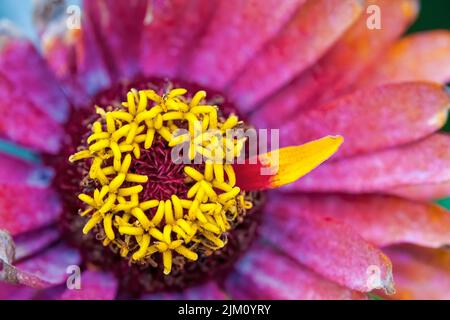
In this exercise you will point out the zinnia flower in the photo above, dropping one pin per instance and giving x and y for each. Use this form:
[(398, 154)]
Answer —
[(110, 96)]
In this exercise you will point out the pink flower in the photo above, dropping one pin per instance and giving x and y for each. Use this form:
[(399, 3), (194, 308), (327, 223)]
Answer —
[(362, 221)]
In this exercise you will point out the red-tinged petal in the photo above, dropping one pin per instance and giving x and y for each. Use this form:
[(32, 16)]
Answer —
[(95, 285), (42, 271), (31, 243), (425, 191), (207, 291), (73, 54), (330, 248), (341, 66), (171, 33), (50, 266), (420, 273), (285, 165), (25, 122), (421, 56), (318, 24), (382, 220), (15, 292), (26, 201), (374, 118), (118, 26), (28, 73), (265, 274), (422, 162), (237, 31)]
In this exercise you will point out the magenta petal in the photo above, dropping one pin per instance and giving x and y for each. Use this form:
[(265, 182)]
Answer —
[(95, 285), (27, 72), (42, 271), (381, 220), (318, 24), (336, 72), (265, 274), (74, 56), (332, 249), (26, 201), (373, 118), (425, 191), (171, 34), (50, 266), (423, 56), (420, 163), (30, 243), (118, 26), (15, 292), (207, 291), (420, 273), (237, 31)]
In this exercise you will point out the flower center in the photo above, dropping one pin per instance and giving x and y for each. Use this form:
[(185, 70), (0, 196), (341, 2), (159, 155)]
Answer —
[(157, 182)]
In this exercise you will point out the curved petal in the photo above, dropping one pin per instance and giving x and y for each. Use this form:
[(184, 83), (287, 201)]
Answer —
[(343, 64), (207, 291), (15, 292), (27, 72), (420, 273), (382, 220), (420, 56), (95, 285), (73, 54), (424, 191), (169, 34), (318, 24), (31, 243), (265, 274), (237, 31), (423, 162), (118, 27), (42, 271), (26, 200), (374, 118), (330, 248), (285, 165)]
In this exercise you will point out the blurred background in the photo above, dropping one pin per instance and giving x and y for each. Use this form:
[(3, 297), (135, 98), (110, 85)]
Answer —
[(434, 14)]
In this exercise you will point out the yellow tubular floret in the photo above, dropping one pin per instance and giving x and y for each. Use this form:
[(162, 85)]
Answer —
[(174, 226)]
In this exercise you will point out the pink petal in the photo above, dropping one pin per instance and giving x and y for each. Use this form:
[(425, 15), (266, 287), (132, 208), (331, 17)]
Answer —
[(25, 123), (421, 56), (330, 248), (74, 55), (382, 220), (95, 285), (423, 162), (24, 69), (420, 273), (30, 243), (265, 274), (171, 34), (15, 292), (313, 30), (237, 31), (118, 26), (374, 118), (343, 64), (42, 271), (207, 291), (26, 201), (425, 191)]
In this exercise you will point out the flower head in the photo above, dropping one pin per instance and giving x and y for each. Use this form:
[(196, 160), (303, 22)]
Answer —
[(144, 187)]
